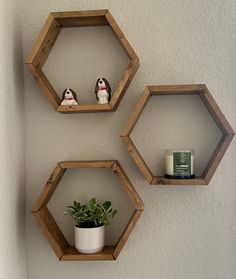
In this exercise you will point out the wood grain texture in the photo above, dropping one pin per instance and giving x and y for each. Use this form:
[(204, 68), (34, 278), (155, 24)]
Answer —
[(138, 159), (120, 36), (51, 230), (45, 85), (214, 110), (71, 254), (217, 157), (138, 109), (127, 186), (87, 164), (161, 180), (67, 15), (80, 18), (176, 89), (93, 108), (126, 233), (49, 188), (44, 43), (38, 55), (124, 84)]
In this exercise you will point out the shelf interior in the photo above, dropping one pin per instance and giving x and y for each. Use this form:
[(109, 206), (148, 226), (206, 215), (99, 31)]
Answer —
[(219, 140)]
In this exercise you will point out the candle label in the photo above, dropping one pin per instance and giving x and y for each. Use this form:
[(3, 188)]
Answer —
[(182, 163)]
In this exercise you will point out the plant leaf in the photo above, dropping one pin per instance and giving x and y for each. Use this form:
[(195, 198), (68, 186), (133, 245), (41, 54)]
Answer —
[(91, 213), (114, 212), (107, 206), (93, 204)]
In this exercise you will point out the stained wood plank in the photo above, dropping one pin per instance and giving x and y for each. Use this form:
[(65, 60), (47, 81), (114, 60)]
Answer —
[(217, 157), (125, 235), (49, 188), (79, 14), (82, 22), (45, 85), (81, 18), (138, 159), (124, 84), (216, 112), (93, 108), (71, 254), (161, 180), (87, 164), (128, 187), (133, 118), (44, 42), (176, 89), (120, 36), (51, 230)]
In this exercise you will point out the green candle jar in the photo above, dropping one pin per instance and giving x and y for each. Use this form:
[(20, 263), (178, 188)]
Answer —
[(179, 163)]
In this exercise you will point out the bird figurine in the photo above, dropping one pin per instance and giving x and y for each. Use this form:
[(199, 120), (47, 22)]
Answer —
[(69, 98), (103, 91)]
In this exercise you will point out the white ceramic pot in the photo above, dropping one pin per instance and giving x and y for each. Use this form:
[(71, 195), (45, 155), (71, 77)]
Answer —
[(89, 240)]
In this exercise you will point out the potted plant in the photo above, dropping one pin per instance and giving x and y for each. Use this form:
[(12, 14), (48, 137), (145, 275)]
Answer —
[(90, 220)]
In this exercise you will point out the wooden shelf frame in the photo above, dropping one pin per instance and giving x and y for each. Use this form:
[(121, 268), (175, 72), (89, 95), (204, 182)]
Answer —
[(214, 110), (54, 235), (44, 44)]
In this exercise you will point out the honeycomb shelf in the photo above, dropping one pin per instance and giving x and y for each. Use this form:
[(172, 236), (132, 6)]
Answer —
[(44, 44), (214, 110), (54, 235)]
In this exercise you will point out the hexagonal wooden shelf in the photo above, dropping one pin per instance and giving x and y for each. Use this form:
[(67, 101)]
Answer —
[(51, 29), (214, 110), (55, 236)]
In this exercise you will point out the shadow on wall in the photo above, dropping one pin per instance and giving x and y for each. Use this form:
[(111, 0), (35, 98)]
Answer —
[(12, 200)]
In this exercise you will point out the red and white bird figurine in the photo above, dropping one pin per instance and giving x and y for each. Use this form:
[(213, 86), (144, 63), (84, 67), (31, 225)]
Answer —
[(69, 98), (103, 91)]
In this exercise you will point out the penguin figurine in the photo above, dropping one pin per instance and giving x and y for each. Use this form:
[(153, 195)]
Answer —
[(103, 91), (69, 98)]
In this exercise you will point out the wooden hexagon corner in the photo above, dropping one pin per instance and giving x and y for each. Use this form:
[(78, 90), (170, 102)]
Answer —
[(214, 110), (53, 233), (51, 29)]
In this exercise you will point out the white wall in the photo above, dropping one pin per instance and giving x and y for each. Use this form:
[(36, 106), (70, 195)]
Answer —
[(12, 171), (184, 232)]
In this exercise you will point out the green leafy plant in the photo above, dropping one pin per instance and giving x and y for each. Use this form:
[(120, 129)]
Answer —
[(92, 214)]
